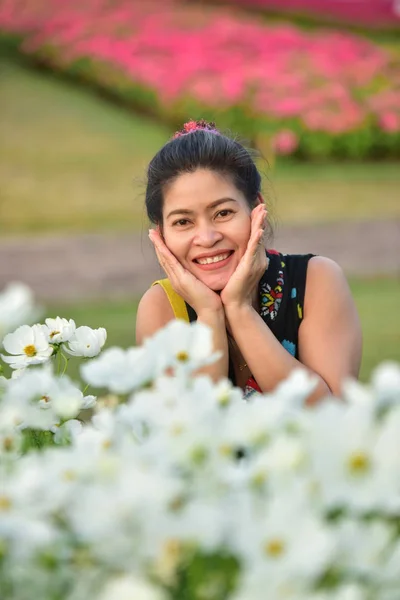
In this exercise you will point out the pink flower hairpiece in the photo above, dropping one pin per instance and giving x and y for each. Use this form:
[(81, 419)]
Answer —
[(191, 126)]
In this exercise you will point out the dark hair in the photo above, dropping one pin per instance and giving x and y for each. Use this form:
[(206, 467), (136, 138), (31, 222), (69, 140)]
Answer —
[(205, 148)]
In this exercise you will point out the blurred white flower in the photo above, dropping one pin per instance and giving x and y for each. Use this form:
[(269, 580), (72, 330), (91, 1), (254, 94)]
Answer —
[(296, 388), (65, 398), (184, 347), (355, 392), (17, 307), (351, 591), (88, 402), (190, 466), (275, 541), (3, 384), (120, 371), (86, 342), (18, 373), (28, 346), (385, 382), (38, 399), (59, 330), (129, 587), (67, 431), (365, 548), (354, 457)]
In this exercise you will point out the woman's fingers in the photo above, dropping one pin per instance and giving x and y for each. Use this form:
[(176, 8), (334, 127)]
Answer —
[(258, 224), (175, 272), (166, 259)]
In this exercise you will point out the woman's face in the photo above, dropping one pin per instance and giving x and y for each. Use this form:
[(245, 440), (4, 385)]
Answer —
[(206, 225)]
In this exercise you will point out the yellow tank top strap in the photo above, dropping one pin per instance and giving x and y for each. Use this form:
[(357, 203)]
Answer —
[(176, 301)]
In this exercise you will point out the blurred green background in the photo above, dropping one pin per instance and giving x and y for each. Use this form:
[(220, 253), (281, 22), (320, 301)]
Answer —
[(72, 161)]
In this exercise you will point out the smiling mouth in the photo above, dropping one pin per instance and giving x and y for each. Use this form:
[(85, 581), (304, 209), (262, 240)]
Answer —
[(213, 259)]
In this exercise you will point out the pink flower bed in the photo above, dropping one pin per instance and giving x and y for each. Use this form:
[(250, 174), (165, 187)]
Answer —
[(319, 94), (369, 13)]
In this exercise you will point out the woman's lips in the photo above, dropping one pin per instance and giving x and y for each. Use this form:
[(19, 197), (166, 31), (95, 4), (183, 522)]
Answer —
[(215, 265)]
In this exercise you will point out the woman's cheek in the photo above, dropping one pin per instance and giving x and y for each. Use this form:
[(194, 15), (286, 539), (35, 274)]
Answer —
[(177, 246)]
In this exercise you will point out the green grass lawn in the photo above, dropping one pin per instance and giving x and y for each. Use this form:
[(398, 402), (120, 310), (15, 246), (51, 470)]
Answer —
[(70, 161), (378, 303)]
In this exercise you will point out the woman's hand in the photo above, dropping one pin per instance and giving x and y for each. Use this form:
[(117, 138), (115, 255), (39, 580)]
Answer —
[(200, 297), (242, 286)]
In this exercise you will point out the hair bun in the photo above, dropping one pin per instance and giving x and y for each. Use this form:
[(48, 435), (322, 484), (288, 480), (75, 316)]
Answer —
[(191, 126)]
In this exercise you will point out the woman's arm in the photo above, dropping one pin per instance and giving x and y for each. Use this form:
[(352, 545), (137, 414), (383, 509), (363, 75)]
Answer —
[(153, 313), (329, 337)]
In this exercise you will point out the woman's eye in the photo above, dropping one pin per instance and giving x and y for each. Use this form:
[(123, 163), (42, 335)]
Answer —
[(181, 222), (225, 212)]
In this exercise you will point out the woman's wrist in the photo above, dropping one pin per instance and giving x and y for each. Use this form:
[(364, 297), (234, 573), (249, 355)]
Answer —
[(235, 312), (212, 316)]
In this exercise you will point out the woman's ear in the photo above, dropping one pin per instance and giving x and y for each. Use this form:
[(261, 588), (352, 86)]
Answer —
[(260, 199), (159, 228)]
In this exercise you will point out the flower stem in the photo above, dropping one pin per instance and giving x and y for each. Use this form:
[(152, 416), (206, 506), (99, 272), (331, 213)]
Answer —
[(65, 363)]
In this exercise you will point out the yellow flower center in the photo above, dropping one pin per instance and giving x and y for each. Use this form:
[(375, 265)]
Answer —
[(225, 450), (69, 475), (5, 503), (274, 547), (8, 443), (224, 399), (172, 547), (177, 429), (259, 478), (30, 350), (53, 333), (359, 463), (182, 356)]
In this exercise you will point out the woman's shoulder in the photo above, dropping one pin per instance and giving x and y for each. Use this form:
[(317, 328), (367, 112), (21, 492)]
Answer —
[(313, 269), (324, 273), (290, 268), (154, 311)]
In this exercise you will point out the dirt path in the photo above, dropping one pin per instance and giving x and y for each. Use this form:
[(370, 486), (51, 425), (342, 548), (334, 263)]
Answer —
[(117, 266)]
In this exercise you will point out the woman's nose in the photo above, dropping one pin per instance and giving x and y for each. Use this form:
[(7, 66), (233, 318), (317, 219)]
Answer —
[(207, 235)]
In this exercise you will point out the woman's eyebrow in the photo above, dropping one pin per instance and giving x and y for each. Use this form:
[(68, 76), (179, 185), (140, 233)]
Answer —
[(185, 211)]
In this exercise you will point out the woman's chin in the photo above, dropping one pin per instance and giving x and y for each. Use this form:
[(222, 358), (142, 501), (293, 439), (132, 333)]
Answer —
[(215, 283)]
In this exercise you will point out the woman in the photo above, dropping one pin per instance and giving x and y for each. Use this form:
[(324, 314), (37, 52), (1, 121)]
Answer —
[(269, 312)]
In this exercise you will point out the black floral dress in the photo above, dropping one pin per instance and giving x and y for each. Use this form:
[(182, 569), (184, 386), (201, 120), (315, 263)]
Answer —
[(282, 290)]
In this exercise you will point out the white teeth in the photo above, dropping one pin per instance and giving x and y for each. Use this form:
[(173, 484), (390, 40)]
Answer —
[(212, 259)]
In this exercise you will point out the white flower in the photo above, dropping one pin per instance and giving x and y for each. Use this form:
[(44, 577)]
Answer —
[(354, 456), (40, 400), (285, 538), (16, 307), (86, 342), (385, 382), (295, 390), (59, 330), (182, 346), (18, 373), (67, 431), (28, 346), (120, 371), (88, 402), (3, 384), (66, 399), (355, 392), (128, 587), (351, 591), (365, 548)]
